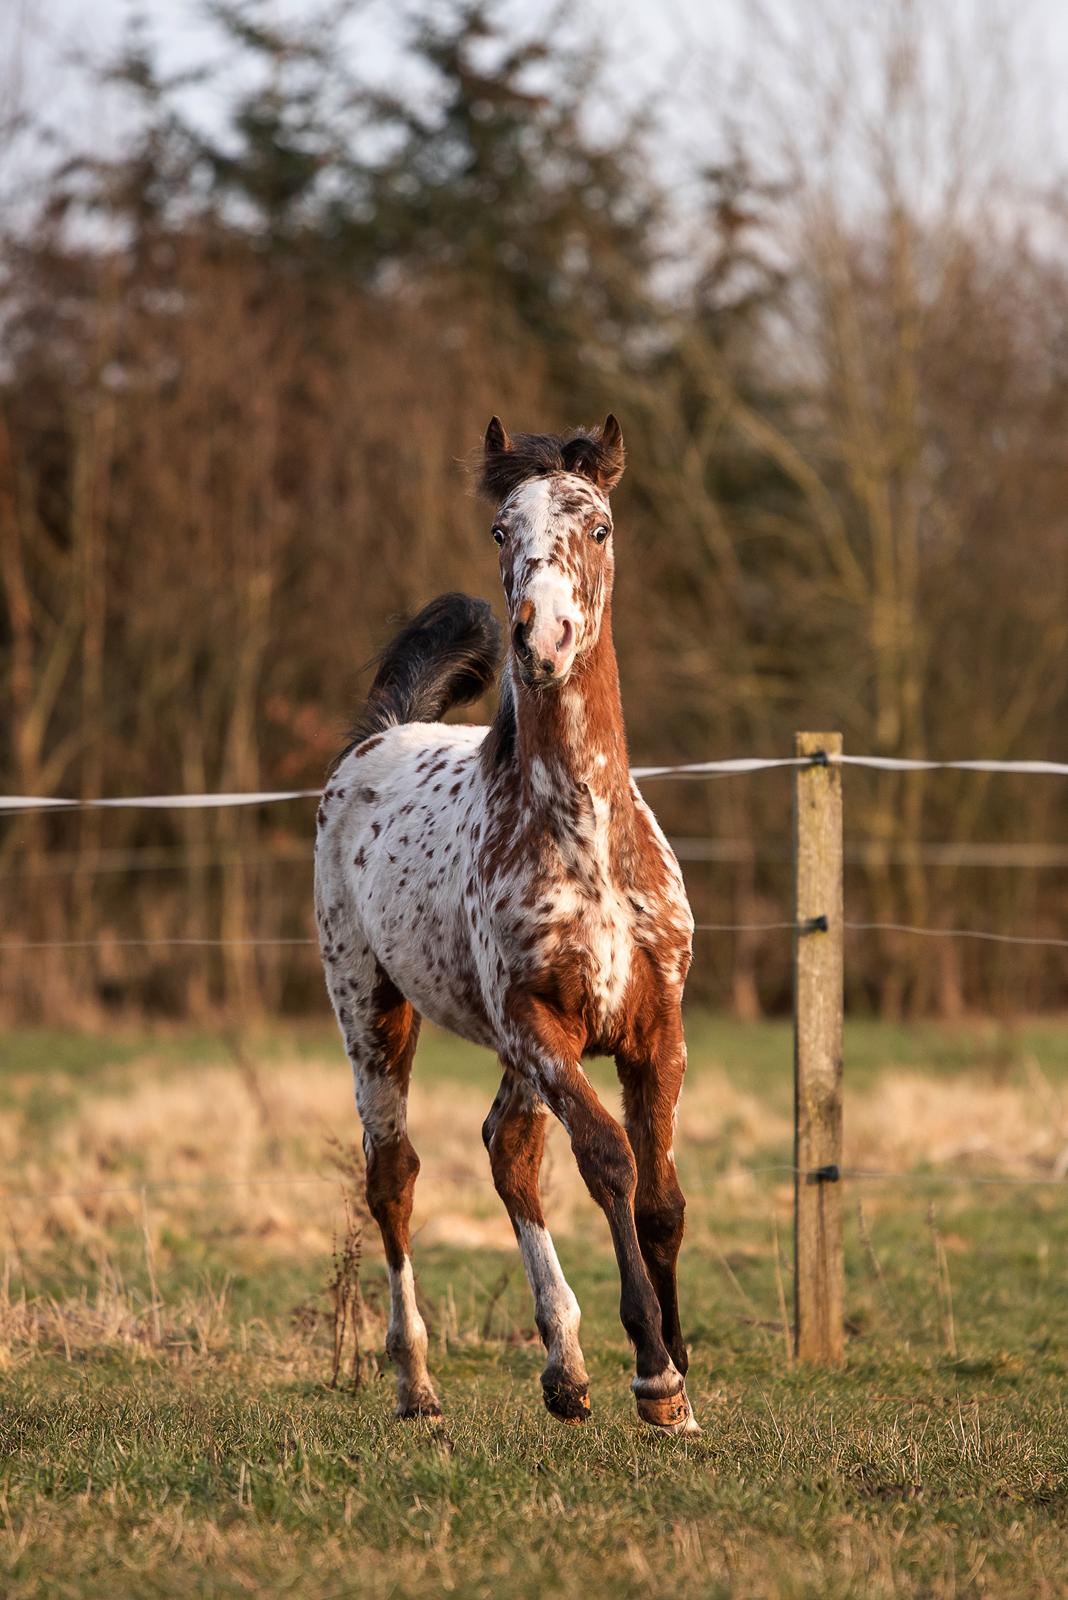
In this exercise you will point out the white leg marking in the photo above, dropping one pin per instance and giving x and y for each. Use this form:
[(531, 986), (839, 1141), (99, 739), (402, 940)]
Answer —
[(406, 1342), (663, 1403), (556, 1309), (662, 1383)]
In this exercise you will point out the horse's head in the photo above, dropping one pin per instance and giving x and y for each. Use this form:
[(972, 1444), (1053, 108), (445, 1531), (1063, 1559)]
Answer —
[(554, 527)]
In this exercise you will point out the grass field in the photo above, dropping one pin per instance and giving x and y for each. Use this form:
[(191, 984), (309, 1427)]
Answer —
[(168, 1425)]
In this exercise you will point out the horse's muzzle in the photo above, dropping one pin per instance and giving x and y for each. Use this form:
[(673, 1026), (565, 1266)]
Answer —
[(544, 652)]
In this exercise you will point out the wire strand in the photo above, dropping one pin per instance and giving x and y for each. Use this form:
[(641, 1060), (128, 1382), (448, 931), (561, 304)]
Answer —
[(689, 849), (19, 804), (154, 1185), (908, 764), (742, 927), (727, 768), (955, 933), (918, 1179), (782, 1169), (14, 946), (147, 944)]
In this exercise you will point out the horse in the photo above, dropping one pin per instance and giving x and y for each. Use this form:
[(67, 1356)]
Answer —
[(511, 884)]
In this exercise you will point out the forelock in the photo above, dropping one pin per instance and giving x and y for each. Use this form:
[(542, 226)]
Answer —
[(541, 455)]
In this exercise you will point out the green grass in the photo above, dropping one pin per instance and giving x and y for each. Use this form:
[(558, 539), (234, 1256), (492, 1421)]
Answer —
[(215, 1459), (176, 1484)]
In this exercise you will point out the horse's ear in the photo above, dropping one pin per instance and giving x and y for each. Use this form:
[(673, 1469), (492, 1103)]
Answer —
[(497, 469), (496, 438), (598, 456), (612, 457)]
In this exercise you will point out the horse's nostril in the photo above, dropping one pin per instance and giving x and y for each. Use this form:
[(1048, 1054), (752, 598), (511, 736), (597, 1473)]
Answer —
[(567, 633), (523, 618)]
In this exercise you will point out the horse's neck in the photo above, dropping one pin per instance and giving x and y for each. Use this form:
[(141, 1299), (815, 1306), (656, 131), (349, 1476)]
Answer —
[(573, 737)]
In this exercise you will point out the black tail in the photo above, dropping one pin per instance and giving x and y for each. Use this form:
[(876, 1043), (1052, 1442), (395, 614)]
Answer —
[(446, 656)]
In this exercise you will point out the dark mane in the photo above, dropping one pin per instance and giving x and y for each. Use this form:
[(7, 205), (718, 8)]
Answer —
[(498, 747), (536, 455)]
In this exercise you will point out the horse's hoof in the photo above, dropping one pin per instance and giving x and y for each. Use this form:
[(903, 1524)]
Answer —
[(567, 1402), (671, 1414), (425, 1407)]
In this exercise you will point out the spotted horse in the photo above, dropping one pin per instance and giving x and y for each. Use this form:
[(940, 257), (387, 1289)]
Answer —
[(511, 884)]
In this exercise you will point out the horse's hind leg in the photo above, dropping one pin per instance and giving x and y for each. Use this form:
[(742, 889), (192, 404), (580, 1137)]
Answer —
[(514, 1135), (380, 1030)]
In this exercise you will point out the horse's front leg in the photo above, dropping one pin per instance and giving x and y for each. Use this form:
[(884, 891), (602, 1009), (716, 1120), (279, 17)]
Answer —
[(651, 1075), (544, 1047), (514, 1135)]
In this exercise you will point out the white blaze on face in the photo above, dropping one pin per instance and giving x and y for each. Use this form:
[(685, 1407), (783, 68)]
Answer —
[(556, 624), (553, 635)]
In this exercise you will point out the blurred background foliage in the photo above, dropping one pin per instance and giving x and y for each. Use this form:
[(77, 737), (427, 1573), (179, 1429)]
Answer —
[(242, 365)]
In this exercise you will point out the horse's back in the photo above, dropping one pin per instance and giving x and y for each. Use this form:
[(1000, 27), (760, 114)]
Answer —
[(399, 828)]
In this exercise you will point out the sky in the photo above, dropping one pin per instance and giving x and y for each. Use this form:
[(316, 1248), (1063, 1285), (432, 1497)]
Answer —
[(693, 58), (46, 44), (651, 39)]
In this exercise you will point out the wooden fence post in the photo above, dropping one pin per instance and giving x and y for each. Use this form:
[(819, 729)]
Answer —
[(819, 1276)]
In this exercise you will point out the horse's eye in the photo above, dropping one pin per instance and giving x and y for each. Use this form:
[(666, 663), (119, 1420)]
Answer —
[(499, 535), (601, 533)]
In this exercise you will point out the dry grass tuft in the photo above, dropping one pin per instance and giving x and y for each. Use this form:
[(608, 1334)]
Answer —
[(908, 1120), (351, 1315), (110, 1317)]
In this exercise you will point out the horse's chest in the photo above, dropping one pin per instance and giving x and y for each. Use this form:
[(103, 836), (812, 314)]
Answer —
[(578, 943), (602, 954)]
